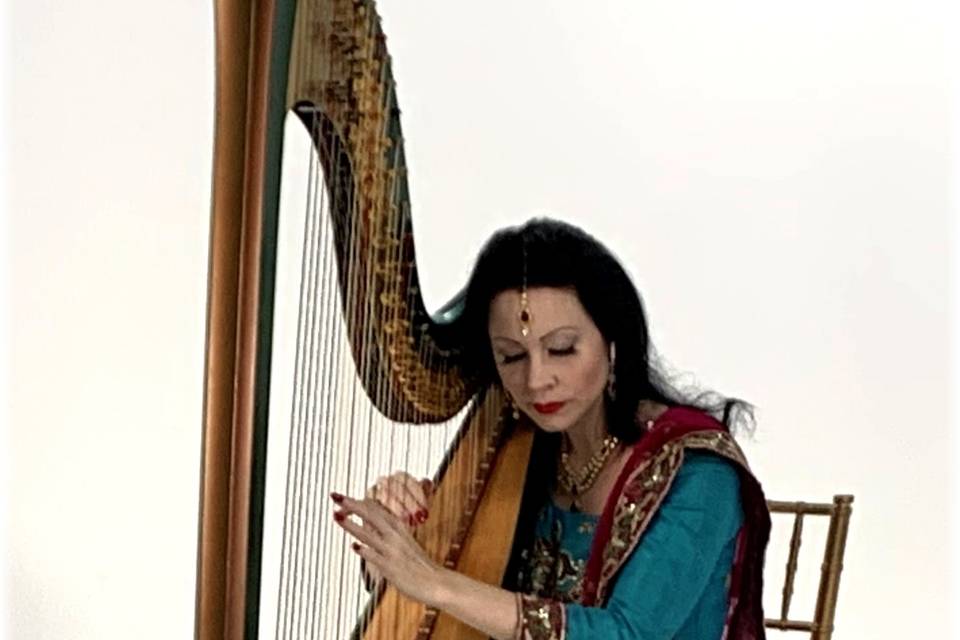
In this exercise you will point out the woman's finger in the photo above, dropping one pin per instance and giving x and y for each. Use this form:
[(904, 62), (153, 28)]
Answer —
[(381, 494), (409, 493), (409, 483), (404, 488), (393, 494), (372, 512), (407, 499), (362, 508), (382, 488), (373, 559), (366, 536), (414, 496), (400, 509), (402, 494)]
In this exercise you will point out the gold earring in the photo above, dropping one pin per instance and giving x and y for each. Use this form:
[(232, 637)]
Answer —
[(612, 377), (514, 410)]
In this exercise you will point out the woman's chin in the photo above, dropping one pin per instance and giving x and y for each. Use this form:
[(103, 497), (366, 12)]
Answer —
[(550, 423)]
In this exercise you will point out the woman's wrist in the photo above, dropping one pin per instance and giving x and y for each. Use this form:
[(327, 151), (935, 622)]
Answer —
[(444, 587), (490, 609)]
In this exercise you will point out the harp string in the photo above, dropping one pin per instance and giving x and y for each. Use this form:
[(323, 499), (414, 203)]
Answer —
[(332, 417), (362, 302), (315, 416), (290, 566), (292, 504), (321, 410), (332, 375), (320, 422), (320, 418), (399, 223), (334, 552), (311, 446), (301, 413), (299, 495)]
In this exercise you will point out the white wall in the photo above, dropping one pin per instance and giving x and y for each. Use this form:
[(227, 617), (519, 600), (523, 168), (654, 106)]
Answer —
[(778, 177), (4, 328), (110, 134)]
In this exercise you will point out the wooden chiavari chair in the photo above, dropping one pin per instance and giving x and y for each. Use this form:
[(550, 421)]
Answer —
[(821, 627)]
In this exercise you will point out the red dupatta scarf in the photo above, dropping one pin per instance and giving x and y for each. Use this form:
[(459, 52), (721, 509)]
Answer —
[(636, 496), (641, 488)]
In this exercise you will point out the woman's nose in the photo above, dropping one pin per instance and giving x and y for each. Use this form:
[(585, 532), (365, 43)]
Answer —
[(539, 375)]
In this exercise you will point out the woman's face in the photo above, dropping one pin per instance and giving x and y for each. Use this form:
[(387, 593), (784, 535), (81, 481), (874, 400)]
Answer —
[(557, 373)]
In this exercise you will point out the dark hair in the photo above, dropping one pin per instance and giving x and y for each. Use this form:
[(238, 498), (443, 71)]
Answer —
[(550, 253)]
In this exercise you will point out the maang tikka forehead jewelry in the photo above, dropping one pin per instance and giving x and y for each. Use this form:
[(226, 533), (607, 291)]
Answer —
[(525, 316)]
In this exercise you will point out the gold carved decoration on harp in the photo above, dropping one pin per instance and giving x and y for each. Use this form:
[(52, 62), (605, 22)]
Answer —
[(360, 317)]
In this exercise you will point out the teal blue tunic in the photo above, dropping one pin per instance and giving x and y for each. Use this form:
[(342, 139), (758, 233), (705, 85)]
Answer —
[(674, 585)]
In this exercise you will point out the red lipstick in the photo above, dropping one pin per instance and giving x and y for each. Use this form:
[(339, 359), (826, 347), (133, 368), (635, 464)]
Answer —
[(548, 407)]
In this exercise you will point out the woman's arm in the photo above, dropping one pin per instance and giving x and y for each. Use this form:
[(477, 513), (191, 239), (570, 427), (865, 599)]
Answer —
[(690, 539), (484, 607), (391, 551), (674, 581)]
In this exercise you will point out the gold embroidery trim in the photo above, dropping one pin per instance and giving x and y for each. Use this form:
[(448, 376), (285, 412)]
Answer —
[(719, 442), (549, 571), (642, 494), (541, 619)]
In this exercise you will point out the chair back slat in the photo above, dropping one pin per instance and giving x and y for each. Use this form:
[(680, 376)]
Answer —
[(821, 627), (791, 571)]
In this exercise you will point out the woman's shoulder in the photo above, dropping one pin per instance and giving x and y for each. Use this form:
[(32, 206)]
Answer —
[(709, 467), (707, 482), (711, 461), (688, 427)]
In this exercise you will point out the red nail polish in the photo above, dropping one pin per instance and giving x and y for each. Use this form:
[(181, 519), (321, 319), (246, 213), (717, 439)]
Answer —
[(355, 546), (339, 516), (422, 515), (336, 497), (412, 520)]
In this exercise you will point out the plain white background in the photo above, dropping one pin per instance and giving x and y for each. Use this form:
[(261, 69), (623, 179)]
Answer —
[(779, 178)]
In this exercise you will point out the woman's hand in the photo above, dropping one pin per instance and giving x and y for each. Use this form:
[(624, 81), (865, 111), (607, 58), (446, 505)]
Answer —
[(387, 545), (404, 496)]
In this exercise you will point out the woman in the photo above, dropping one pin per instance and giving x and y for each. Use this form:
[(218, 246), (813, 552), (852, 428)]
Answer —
[(640, 519)]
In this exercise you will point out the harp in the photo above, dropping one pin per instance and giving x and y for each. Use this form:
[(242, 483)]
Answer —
[(369, 363)]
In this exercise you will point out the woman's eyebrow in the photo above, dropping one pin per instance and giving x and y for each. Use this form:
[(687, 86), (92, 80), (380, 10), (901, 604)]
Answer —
[(558, 330), (546, 336)]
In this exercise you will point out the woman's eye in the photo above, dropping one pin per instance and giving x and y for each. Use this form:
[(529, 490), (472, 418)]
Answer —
[(507, 359), (566, 351)]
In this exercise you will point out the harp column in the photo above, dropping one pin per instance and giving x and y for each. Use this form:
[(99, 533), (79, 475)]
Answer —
[(239, 301)]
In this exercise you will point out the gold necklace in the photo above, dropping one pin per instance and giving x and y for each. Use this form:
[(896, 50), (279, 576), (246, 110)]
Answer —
[(577, 482)]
